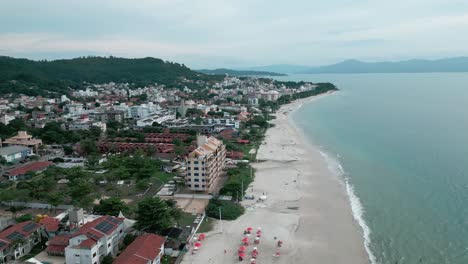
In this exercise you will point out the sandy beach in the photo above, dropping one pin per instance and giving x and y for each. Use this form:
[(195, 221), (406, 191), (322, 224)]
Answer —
[(306, 206)]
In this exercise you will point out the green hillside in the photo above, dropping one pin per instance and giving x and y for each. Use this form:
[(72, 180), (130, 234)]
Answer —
[(59, 76)]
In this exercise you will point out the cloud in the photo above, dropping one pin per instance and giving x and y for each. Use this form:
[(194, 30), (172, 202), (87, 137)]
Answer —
[(237, 33)]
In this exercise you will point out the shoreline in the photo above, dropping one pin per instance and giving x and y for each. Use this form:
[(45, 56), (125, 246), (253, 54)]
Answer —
[(307, 205)]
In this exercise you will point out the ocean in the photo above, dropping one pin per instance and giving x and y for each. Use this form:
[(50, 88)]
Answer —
[(400, 141)]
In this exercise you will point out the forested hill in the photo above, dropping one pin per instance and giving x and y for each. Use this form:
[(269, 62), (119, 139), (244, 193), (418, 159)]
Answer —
[(240, 73), (58, 76)]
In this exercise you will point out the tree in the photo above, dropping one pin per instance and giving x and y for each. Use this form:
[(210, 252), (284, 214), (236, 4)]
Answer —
[(107, 260), (110, 206), (55, 199), (154, 215), (88, 146)]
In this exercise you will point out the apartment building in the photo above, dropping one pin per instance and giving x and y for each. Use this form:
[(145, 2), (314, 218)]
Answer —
[(95, 240), (205, 164)]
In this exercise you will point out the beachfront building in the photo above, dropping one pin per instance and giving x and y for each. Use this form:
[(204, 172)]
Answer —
[(205, 164), (95, 240), (24, 139)]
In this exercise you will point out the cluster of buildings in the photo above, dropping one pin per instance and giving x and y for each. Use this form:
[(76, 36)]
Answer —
[(76, 237)]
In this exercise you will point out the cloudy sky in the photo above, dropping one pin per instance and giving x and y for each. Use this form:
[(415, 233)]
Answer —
[(235, 33)]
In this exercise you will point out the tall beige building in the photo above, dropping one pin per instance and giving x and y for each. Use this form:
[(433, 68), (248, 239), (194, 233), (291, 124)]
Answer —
[(205, 165)]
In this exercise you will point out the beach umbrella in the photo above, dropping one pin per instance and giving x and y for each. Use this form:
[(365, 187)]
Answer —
[(242, 248), (242, 254), (254, 254), (201, 237), (198, 244), (249, 228), (245, 240)]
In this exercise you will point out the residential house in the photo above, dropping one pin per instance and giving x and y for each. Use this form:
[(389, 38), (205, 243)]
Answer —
[(21, 173), (15, 153), (205, 164), (95, 240), (18, 240), (24, 139), (145, 249)]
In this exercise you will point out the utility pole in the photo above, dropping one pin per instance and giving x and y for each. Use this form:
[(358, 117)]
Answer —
[(220, 220), (242, 190)]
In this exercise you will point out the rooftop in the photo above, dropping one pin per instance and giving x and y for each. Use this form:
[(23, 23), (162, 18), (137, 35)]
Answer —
[(35, 166), (144, 248), (12, 150)]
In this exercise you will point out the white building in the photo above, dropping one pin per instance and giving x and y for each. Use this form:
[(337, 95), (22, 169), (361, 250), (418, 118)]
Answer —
[(75, 109), (85, 93), (5, 119), (95, 240)]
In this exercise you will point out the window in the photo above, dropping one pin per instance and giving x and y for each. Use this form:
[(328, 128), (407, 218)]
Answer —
[(77, 255), (190, 185), (189, 179), (195, 162), (202, 162), (108, 245), (196, 168), (189, 174), (203, 174), (197, 186), (196, 180), (94, 254), (203, 185), (188, 162), (195, 174), (203, 180)]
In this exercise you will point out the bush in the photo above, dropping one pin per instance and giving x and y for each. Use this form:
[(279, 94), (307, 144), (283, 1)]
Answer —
[(229, 209)]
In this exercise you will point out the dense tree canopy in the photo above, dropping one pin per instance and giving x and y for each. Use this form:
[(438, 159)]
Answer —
[(155, 215)]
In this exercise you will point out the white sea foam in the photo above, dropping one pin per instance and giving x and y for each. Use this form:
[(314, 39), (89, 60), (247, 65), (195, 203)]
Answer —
[(356, 205)]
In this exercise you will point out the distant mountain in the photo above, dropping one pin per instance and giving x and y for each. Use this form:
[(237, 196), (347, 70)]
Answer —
[(459, 64), (223, 71), (58, 76), (280, 68)]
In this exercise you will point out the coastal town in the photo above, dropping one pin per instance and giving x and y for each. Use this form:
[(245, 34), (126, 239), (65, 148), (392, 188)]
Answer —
[(118, 173)]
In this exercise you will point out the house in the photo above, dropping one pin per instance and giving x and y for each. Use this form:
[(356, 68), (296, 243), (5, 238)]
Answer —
[(18, 240), (145, 249), (95, 240), (21, 173), (51, 225), (205, 164), (56, 245), (25, 140), (15, 153)]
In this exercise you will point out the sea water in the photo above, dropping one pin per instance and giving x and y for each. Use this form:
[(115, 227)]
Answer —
[(400, 142)]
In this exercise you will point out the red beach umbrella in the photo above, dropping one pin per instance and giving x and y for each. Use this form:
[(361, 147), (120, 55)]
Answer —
[(245, 240), (242, 248), (249, 228), (201, 236), (198, 244), (242, 254)]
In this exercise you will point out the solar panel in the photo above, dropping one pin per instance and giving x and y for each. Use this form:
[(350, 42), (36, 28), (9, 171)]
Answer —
[(113, 220), (105, 227), (29, 227), (15, 236)]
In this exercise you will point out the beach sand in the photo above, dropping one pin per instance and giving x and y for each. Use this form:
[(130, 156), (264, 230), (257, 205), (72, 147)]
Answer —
[(306, 206)]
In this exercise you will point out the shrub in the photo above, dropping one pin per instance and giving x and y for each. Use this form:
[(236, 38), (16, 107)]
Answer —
[(229, 209)]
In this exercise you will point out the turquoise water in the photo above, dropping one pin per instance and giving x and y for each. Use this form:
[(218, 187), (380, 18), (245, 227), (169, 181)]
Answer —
[(402, 140)]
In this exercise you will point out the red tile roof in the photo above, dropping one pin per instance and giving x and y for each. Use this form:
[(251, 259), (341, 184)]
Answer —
[(58, 244), (36, 166), (97, 229), (145, 248), (18, 231), (51, 224)]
